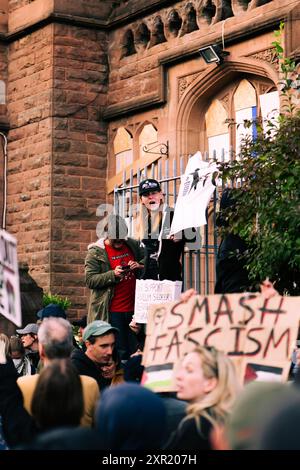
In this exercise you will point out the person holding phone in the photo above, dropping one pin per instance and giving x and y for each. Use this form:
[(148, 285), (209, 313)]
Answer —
[(112, 266)]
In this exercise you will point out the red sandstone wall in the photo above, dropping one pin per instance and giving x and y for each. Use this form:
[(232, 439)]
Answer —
[(29, 150), (137, 76), (79, 154), (57, 152), (3, 15)]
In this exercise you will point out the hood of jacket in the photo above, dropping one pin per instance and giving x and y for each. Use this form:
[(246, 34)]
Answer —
[(128, 418), (99, 244)]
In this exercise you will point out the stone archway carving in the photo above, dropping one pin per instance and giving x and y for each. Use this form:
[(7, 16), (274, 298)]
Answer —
[(199, 92)]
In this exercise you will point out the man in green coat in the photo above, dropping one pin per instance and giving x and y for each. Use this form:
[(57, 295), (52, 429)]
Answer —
[(112, 265)]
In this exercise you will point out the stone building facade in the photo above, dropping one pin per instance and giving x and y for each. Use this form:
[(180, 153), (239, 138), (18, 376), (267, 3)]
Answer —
[(86, 84)]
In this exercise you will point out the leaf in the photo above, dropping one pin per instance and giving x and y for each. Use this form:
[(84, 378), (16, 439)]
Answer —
[(63, 302)]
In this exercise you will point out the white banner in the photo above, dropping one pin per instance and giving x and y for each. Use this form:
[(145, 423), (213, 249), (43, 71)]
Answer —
[(196, 189), (10, 301), (149, 292)]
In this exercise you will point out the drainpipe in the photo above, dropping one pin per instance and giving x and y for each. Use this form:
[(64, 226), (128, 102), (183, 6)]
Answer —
[(4, 180)]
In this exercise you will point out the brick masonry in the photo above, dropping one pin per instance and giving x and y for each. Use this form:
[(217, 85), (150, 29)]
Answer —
[(57, 153), (62, 77), (29, 105), (79, 154)]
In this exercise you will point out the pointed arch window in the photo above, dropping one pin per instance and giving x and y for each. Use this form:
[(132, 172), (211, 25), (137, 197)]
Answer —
[(123, 149), (217, 130), (147, 138), (245, 99), (245, 107), (269, 105)]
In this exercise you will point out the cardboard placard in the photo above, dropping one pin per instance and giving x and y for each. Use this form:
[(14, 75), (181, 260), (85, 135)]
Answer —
[(249, 328), (149, 292)]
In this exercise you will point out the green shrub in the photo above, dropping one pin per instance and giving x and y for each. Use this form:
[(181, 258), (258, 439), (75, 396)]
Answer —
[(267, 209), (63, 302)]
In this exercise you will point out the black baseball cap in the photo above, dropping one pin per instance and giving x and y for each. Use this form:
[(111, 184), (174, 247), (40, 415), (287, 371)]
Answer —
[(51, 310), (148, 186)]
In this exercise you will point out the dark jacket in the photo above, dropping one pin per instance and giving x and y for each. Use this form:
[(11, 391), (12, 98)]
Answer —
[(100, 277), (162, 254), (169, 265), (85, 366), (176, 412), (231, 274), (189, 436), (18, 426), (34, 358)]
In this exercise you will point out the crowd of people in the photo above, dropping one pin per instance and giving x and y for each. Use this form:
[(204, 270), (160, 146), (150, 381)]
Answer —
[(58, 392)]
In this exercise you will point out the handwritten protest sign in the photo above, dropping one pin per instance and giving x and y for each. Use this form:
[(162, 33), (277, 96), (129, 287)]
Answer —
[(10, 304), (149, 291), (253, 331)]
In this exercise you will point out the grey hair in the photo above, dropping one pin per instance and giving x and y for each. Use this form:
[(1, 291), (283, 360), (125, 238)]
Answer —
[(56, 337)]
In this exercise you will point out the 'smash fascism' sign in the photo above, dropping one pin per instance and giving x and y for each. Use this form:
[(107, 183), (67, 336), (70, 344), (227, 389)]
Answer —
[(255, 332)]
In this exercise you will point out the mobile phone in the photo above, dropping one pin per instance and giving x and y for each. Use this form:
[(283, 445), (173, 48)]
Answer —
[(125, 268)]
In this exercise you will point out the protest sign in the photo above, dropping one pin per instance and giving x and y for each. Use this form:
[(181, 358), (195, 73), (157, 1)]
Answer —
[(149, 291), (255, 332), (196, 189), (10, 303)]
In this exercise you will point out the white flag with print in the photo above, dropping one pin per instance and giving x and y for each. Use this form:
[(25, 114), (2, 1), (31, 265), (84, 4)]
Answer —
[(196, 189)]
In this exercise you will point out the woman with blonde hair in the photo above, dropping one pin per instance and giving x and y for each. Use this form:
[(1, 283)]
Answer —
[(163, 251), (207, 381)]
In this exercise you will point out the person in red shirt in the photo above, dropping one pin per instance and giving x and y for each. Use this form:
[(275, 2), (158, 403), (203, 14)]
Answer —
[(111, 268)]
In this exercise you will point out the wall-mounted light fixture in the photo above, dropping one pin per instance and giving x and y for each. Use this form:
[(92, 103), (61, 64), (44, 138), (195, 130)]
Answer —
[(213, 53)]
